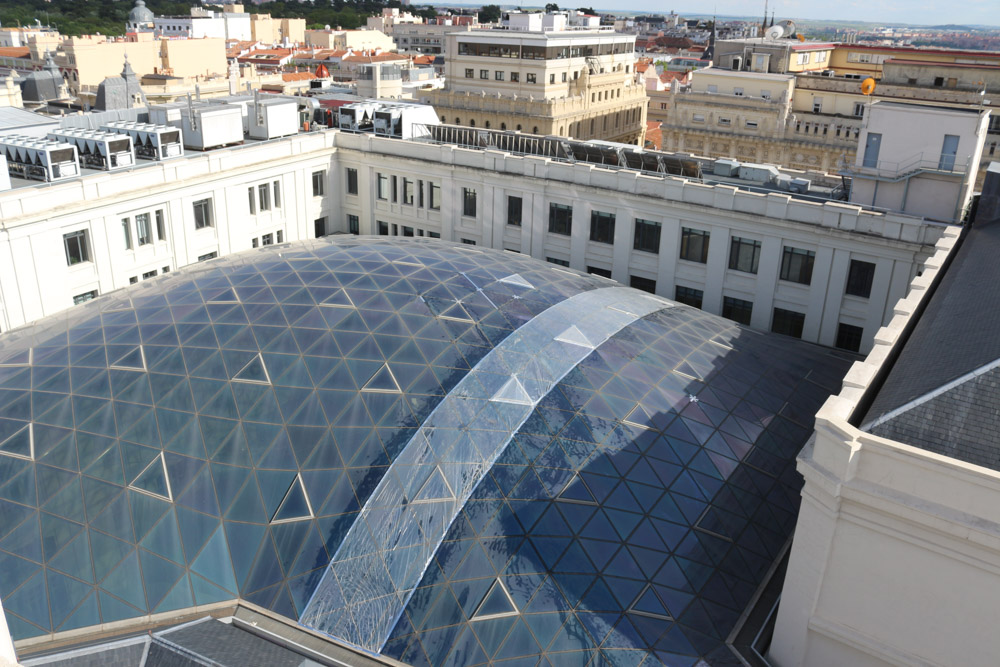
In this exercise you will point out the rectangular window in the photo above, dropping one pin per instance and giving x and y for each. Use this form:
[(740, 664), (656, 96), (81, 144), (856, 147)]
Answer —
[(352, 181), (407, 231), (765, 94), (514, 210), (253, 200), (203, 214), (255, 242), (849, 337), (484, 74), (725, 122), (602, 227), (353, 224), (85, 297), (797, 265), (737, 91), (383, 228), (694, 245), (859, 109), (279, 236), (468, 242), (267, 239), (469, 202), (161, 226), (149, 274), (420, 194), (647, 236), (408, 192), (435, 197), (515, 77), (688, 296), (817, 105), (394, 185), (77, 247), (382, 187), (319, 178), (277, 194), (552, 77), (598, 271), (788, 322), (498, 75), (560, 219), (127, 232), (751, 125), (645, 284), (133, 280), (319, 227), (470, 73), (555, 260), (530, 78), (744, 254), (434, 235), (264, 197), (737, 310), (207, 256), (698, 118), (143, 230), (859, 278)]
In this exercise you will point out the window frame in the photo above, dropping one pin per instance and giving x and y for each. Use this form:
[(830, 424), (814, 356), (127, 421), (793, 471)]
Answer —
[(736, 254), (469, 204), (82, 242), (142, 238), (689, 296), (352, 181), (797, 265), (694, 245), (792, 322), (319, 183), (602, 227), (733, 308), (652, 237), (206, 219), (867, 280), (560, 219), (515, 219)]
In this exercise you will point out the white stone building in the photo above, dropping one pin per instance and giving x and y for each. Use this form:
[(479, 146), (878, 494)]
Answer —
[(826, 271)]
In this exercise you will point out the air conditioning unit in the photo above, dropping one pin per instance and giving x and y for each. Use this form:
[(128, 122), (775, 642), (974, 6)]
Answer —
[(830, 72), (726, 168)]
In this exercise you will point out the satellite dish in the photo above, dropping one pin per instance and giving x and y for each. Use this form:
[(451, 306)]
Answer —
[(789, 27), (868, 86), (774, 32), (800, 37)]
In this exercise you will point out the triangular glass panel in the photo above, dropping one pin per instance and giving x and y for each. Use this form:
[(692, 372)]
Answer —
[(133, 360), (513, 392), (576, 491), (254, 371), (435, 488), (516, 279), (383, 381), (497, 603), (457, 313), (574, 336), (225, 296), (648, 603), (338, 299), (295, 505), (21, 444), (153, 479)]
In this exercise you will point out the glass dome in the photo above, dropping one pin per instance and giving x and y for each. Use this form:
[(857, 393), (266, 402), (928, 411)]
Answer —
[(444, 454)]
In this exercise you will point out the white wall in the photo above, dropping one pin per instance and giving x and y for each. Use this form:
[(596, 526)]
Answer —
[(35, 281)]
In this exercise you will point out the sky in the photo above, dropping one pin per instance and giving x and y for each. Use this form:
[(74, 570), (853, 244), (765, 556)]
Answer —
[(914, 12)]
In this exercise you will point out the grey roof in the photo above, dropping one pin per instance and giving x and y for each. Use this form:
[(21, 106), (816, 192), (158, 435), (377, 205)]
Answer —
[(15, 120), (43, 85), (140, 13), (120, 92), (941, 393)]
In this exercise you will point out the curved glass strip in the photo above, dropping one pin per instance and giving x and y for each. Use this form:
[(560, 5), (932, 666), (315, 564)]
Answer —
[(387, 549)]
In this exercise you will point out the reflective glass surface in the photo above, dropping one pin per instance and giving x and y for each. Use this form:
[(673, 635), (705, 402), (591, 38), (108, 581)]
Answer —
[(527, 464), (637, 510), (211, 434)]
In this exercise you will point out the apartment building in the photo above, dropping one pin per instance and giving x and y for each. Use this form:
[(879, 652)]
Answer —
[(538, 74), (816, 126)]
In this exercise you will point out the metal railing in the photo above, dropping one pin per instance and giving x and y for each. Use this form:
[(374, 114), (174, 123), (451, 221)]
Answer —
[(897, 170)]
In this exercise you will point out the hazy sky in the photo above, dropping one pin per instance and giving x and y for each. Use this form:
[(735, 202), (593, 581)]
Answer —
[(919, 12)]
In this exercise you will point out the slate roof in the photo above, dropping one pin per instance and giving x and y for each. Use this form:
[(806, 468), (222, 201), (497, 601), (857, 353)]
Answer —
[(929, 398)]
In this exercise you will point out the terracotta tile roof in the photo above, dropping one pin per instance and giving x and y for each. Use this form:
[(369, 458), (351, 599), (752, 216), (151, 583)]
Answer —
[(423, 60), (15, 51), (667, 77), (297, 76), (654, 135), (380, 58)]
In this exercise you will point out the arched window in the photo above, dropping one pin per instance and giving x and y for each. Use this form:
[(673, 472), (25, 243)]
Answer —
[(487, 125), (472, 122), (503, 126), (534, 130), (442, 119), (458, 121), (518, 128)]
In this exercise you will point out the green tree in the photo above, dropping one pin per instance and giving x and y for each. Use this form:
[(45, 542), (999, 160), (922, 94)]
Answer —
[(551, 7), (489, 13)]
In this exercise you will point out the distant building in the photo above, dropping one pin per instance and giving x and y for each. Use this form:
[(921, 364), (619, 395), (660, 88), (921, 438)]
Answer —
[(349, 39), (540, 74)]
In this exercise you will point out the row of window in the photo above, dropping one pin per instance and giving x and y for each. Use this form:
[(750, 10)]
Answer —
[(143, 230), (268, 239), (783, 321), (542, 52), (394, 229), (395, 189), (266, 196)]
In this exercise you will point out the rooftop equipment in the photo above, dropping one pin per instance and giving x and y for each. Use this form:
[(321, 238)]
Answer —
[(4, 176), (150, 142), (271, 118), (726, 168), (204, 126), (97, 149), (759, 173), (357, 117), (39, 159)]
